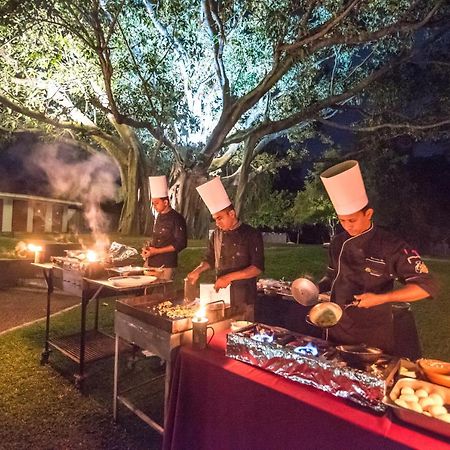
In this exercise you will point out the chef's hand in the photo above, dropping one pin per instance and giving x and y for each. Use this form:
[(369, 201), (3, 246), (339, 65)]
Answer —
[(145, 253), (222, 282), (193, 276), (368, 300), (152, 251)]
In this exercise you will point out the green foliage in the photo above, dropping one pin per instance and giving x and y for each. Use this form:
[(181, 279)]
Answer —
[(272, 211), (312, 204)]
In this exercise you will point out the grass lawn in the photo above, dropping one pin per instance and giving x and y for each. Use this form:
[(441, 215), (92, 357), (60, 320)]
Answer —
[(40, 407)]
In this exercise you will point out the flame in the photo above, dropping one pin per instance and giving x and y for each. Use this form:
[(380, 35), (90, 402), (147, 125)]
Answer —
[(91, 256), (200, 314), (34, 248)]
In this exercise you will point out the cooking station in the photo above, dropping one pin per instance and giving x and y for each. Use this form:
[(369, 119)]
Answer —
[(91, 282), (158, 325), (314, 362)]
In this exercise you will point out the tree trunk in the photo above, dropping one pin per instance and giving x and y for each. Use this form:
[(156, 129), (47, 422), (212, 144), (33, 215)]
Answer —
[(186, 200), (249, 147)]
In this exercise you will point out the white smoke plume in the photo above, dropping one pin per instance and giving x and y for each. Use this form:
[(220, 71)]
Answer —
[(91, 182)]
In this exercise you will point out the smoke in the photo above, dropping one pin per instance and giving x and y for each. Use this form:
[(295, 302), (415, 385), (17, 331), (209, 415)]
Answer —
[(91, 181)]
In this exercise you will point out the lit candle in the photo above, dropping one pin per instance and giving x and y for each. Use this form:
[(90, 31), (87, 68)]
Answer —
[(199, 329), (37, 249)]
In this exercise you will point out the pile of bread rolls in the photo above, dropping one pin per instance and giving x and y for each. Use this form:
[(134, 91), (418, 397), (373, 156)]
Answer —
[(420, 400)]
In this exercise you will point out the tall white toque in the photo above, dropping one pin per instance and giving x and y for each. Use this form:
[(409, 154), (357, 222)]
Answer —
[(158, 187), (214, 195), (345, 186)]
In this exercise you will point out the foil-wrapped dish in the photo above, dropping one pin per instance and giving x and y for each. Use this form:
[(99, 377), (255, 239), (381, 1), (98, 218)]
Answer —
[(314, 362)]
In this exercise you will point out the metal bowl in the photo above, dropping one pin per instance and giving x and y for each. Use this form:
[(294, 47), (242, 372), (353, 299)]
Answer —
[(359, 355)]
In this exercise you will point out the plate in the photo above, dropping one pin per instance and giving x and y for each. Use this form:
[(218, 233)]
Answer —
[(126, 269), (132, 281), (439, 378)]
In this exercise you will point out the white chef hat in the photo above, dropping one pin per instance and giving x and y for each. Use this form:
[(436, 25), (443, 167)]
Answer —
[(345, 186), (214, 195), (158, 187)]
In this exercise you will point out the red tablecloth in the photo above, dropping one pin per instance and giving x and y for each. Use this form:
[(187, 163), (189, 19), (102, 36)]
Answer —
[(220, 403)]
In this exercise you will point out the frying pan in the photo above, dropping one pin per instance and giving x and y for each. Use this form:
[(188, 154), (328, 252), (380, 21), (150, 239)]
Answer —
[(305, 292), (327, 314)]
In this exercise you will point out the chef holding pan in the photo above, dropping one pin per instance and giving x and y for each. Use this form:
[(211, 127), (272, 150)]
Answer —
[(364, 262), (235, 250)]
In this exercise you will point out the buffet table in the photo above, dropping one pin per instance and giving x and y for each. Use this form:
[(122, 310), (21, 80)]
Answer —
[(219, 403)]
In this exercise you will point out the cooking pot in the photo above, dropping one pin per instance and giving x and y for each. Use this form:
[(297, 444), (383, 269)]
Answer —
[(359, 355)]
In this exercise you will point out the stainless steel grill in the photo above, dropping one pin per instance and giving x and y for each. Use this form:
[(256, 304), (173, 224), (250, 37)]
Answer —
[(137, 321)]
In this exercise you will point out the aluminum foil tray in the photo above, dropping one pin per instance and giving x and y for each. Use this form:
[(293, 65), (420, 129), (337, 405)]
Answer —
[(313, 362)]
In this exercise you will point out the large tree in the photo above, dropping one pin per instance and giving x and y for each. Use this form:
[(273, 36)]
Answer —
[(198, 81)]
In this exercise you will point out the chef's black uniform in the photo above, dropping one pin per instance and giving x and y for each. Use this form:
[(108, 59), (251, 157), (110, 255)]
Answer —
[(370, 262), (230, 251), (168, 229)]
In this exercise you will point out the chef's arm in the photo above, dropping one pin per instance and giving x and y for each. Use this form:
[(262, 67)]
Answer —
[(243, 274), (157, 251), (409, 293), (195, 274)]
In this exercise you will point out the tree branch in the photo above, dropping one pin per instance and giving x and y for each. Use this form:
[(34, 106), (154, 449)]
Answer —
[(41, 117), (392, 126), (321, 31), (216, 33)]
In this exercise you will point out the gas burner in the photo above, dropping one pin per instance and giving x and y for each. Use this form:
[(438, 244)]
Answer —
[(307, 350), (263, 337)]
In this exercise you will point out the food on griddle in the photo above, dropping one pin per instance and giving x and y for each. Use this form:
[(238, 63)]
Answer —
[(172, 311), (327, 318)]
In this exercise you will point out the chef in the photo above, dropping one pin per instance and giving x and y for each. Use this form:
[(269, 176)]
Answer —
[(364, 262), (169, 232), (235, 250)]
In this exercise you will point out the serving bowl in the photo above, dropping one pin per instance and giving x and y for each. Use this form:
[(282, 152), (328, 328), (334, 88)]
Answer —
[(359, 355)]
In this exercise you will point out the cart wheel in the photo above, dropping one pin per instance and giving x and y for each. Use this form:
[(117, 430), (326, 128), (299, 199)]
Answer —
[(78, 383), (44, 358)]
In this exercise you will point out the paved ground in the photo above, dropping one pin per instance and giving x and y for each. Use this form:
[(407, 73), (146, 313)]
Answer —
[(19, 306)]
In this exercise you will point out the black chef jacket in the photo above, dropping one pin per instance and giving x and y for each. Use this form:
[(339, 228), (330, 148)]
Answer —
[(370, 262), (168, 229), (230, 251)]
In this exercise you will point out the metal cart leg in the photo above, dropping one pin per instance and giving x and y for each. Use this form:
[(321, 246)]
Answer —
[(79, 378), (48, 276), (116, 377), (166, 389)]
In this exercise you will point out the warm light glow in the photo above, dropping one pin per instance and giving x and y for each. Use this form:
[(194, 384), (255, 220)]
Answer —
[(34, 248), (200, 314), (91, 256)]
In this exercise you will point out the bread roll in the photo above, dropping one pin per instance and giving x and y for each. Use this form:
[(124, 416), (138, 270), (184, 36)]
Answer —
[(427, 403), (409, 398), (421, 393), (438, 400), (407, 390), (437, 410), (444, 417), (415, 407), (401, 403)]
